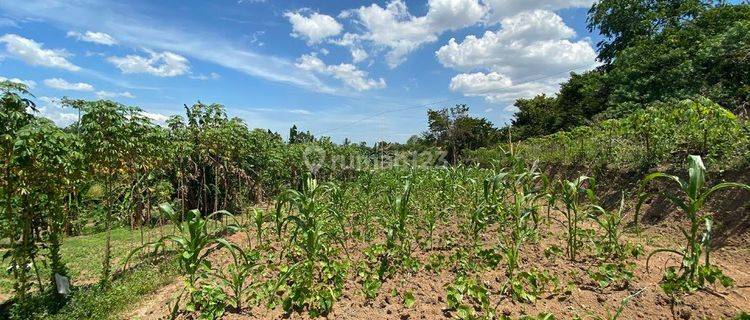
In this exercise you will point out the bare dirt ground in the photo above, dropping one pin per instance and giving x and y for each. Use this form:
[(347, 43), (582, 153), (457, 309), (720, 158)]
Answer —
[(586, 299)]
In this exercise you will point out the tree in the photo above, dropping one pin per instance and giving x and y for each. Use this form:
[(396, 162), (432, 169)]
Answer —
[(536, 116), (13, 117), (623, 22), (296, 136), (454, 130)]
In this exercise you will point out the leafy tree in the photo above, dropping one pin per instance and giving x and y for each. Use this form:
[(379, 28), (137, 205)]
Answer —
[(38, 168), (536, 117), (622, 22), (13, 117), (296, 136), (453, 130)]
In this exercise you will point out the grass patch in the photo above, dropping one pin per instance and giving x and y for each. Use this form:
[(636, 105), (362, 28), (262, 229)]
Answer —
[(83, 256), (91, 302)]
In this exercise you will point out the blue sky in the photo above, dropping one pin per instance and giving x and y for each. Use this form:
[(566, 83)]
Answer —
[(367, 70)]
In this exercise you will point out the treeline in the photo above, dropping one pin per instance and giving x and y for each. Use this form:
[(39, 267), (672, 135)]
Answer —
[(665, 66), (663, 133)]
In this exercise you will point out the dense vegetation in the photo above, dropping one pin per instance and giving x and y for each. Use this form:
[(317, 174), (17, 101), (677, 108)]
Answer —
[(653, 51), (672, 92)]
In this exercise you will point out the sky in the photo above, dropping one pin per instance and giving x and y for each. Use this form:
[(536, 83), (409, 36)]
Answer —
[(363, 70)]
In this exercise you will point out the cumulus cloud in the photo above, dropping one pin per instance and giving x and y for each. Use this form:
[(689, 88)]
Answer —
[(161, 64), (347, 73), (499, 9), (62, 84), (497, 88), (392, 27), (528, 44), (112, 95), (33, 53), (358, 54), (29, 83), (95, 37), (313, 27)]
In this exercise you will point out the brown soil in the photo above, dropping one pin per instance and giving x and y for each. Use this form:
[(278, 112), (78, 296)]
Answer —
[(586, 299)]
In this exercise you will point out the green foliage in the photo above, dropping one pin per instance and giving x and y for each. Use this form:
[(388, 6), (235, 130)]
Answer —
[(469, 299), (660, 133), (315, 280), (453, 130), (692, 275), (573, 194)]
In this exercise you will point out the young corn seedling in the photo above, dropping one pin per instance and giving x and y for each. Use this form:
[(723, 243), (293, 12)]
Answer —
[(519, 233), (570, 194), (235, 278), (258, 219), (692, 275), (194, 244), (610, 245)]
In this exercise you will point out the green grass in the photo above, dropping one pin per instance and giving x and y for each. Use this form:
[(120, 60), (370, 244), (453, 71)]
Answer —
[(126, 291), (83, 256)]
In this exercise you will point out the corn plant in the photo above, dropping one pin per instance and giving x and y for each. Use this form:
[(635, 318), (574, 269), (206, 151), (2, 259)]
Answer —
[(692, 275), (610, 245), (235, 277), (194, 243), (570, 194), (398, 245), (258, 219), (314, 281), (520, 231)]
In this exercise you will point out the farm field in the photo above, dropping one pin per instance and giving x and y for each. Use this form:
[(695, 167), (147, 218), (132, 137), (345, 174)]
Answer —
[(465, 242), (453, 271)]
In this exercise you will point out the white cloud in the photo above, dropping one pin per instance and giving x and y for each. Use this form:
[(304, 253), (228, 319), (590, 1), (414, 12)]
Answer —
[(161, 64), (300, 111), (314, 27), (30, 84), (62, 84), (111, 95), (140, 30), (358, 55), (210, 76), (529, 44), (158, 117), (498, 88), (95, 37), (392, 27), (534, 42), (34, 54), (499, 9), (347, 73), (51, 108)]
